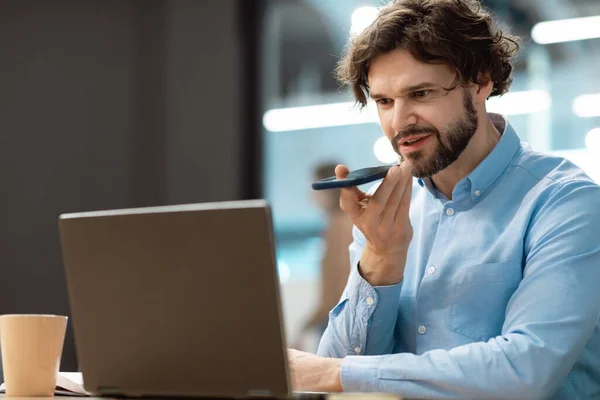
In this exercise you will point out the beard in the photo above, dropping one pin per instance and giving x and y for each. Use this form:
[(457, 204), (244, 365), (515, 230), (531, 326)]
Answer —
[(449, 145)]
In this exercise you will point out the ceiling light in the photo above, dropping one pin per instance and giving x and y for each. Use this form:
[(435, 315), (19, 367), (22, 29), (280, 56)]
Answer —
[(587, 105), (384, 151), (361, 18), (592, 141), (517, 103), (566, 30)]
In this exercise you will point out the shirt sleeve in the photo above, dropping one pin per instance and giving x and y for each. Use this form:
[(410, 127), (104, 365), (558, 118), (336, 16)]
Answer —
[(364, 319), (549, 319)]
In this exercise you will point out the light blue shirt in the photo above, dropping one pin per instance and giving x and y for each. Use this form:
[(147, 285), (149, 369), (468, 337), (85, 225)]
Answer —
[(501, 290)]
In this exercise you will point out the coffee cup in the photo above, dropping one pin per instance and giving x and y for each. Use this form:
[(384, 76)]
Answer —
[(31, 347)]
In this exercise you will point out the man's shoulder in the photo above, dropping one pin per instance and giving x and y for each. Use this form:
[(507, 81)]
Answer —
[(560, 187), (551, 171)]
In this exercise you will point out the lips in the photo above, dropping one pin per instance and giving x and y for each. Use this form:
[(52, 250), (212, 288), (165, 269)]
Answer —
[(411, 139)]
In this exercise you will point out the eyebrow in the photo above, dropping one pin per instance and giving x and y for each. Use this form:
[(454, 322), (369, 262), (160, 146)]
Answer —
[(409, 89)]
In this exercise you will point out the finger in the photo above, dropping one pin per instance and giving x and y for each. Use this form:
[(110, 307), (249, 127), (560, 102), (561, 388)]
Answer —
[(365, 201), (404, 205), (342, 172), (350, 196), (404, 177), (390, 210), (383, 192)]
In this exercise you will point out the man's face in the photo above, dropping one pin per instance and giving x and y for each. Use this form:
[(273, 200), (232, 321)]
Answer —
[(426, 124)]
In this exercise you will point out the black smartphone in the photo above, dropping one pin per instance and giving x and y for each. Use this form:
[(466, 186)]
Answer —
[(354, 178)]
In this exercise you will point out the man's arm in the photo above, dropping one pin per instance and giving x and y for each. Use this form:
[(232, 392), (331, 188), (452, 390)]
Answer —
[(364, 312), (382, 234), (549, 319)]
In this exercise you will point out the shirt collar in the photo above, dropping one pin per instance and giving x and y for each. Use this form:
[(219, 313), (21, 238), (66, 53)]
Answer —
[(490, 169)]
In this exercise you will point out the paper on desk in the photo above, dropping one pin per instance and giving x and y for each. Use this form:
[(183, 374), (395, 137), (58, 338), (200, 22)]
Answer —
[(67, 384)]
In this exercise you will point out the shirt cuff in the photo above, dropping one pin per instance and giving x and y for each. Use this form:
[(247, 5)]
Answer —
[(387, 301), (386, 297), (358, 286), (360, 373)]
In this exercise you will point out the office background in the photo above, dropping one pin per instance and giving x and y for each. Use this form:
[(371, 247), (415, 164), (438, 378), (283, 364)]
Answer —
[(110, 104), (126, 103)]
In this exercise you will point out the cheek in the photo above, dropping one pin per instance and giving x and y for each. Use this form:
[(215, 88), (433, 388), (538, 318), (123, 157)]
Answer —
[(385, 120), (437, 117), (447, 110)]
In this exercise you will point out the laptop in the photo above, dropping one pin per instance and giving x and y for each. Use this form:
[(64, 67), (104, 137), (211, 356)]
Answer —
[(176, 300)]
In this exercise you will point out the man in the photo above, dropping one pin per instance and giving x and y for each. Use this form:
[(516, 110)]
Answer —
[(480, 280)]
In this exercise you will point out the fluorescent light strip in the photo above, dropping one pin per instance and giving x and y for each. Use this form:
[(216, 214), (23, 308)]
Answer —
[(342, 114), (519, 103), (566, 30), (587, 105), (318, 116)]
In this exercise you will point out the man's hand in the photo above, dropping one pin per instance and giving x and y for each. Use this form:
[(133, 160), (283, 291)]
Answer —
[(384, 222), (312, 373)]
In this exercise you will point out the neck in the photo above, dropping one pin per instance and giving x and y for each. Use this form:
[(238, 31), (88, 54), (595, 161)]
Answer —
[(483, 142)]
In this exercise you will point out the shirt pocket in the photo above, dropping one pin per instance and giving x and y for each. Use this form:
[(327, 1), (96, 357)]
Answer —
[(481, 294)]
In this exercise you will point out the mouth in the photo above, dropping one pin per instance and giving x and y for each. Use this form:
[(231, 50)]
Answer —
[(414, 142)]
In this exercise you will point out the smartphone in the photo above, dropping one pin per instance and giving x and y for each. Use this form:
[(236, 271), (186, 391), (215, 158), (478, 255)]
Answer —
[(355, 178)]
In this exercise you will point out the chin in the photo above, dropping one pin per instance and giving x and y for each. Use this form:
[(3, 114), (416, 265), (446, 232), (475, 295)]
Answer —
[(423, 168)]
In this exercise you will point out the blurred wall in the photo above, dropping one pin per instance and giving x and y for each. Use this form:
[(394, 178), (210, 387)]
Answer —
[(109, 104)]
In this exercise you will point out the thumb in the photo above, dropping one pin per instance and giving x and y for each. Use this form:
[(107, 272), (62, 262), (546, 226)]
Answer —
[(349, 196), (354, 193)]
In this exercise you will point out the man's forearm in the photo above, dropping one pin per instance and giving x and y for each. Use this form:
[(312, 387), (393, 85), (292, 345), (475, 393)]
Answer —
[(349, 331), (521, 369)]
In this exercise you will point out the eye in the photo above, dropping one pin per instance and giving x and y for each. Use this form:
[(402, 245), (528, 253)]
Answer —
[(421, 93), (383, 102)]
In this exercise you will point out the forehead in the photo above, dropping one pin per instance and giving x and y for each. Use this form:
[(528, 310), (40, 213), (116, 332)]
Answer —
[(398, 69)]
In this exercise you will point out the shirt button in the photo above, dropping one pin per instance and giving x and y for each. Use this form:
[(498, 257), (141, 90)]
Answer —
[(477, 193), (431, 270), (357, 350), (422, 330), (450, 212), (370, 300)]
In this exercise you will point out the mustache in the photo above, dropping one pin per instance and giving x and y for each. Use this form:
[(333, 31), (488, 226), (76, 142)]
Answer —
[(415, 130)]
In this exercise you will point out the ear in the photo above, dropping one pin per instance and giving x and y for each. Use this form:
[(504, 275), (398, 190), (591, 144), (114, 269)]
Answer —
[(484, 87)]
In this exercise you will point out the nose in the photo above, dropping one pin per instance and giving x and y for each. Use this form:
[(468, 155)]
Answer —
[(403, 115)]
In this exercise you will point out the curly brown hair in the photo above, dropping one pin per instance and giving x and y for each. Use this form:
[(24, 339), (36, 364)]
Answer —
[(458, 33)]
